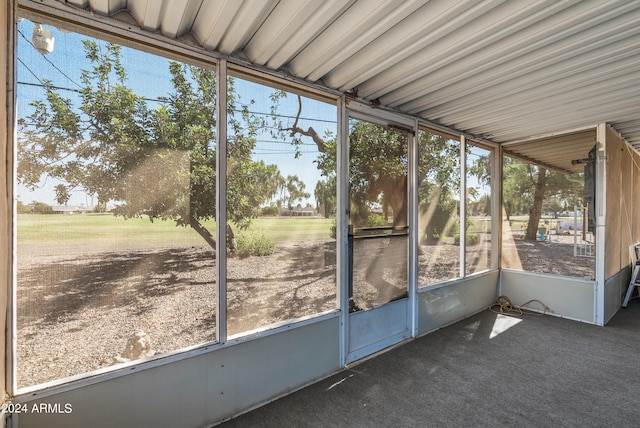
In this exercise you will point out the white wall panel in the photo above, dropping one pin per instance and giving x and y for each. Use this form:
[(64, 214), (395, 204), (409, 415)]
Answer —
[(615, 289), (441, 306), (201, 390), (565, 297)]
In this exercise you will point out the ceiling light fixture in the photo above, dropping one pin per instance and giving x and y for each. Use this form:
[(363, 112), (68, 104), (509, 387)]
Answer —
[(42, 39)]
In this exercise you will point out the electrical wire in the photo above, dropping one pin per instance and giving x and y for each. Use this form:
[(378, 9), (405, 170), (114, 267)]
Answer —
[(62, 88), (49, 61), (503, 306), (33, 74)]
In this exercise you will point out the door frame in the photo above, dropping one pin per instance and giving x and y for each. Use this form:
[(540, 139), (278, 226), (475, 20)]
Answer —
[(398, 316)]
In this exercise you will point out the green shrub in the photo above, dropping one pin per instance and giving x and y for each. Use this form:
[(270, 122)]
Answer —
[(41, 208), (472, 239), (270, 210), (373, 220), (426, 238), (254, 244), (376, 220)]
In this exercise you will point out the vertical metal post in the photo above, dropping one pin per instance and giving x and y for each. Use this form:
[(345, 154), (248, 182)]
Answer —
[(414, 233), (601, 211), (463, 206), (343, 261), (500, 213), (11, 339), (575, 231), (350, 243), (496, 208), (221, 203)]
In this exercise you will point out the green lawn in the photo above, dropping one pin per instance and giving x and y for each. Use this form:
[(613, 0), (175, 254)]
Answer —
[(107, 230), (292, 228)]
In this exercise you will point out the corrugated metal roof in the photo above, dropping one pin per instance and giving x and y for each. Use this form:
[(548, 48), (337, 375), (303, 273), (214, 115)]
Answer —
[(499, 70), (565, 153)]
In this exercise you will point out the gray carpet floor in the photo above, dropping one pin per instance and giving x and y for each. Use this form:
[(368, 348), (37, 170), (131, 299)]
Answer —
[(485, 371)]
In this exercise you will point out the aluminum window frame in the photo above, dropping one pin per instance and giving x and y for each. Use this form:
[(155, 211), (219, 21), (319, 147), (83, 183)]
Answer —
[(117, 32)]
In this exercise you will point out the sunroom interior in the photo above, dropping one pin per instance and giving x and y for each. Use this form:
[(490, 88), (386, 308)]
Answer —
[(212, 204)]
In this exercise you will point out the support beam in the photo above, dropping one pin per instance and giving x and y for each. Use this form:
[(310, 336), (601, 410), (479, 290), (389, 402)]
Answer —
[(463, 206), (221, 203), (496, 208), (342, 224), (601, 207), (414, 232), (7, 205)]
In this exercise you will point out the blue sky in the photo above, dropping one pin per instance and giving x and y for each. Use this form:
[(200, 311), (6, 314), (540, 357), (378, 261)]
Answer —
[(148, 75)]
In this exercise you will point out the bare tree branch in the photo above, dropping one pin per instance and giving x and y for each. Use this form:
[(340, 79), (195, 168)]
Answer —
[(310, 132)]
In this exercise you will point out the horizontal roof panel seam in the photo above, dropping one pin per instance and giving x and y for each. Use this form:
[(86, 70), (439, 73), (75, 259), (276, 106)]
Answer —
[(344, 52), (322, 51), (278, 61), (524, 53), (444, 24), (607, 91), (530, 94), (461, 49), (505, 74), (439, 100)]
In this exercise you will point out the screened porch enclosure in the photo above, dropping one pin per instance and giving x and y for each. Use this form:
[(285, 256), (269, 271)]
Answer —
[(212, 204)]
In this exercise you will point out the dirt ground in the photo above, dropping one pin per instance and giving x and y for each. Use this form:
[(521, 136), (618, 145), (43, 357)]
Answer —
[(76, 313), (552, 256)]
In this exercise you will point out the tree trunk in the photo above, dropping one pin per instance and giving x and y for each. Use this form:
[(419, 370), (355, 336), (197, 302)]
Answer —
[(209, 238), (203, 231), (536, 211), (394, 190)]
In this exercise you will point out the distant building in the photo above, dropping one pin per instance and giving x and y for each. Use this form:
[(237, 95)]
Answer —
[(298, 212), (63, 209)]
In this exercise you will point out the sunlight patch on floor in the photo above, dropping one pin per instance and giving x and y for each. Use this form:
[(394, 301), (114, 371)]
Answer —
[(502, 324)]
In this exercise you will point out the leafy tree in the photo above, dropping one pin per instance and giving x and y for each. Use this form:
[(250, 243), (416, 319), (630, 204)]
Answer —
[(378, 170), (529, 188), (62, 194), (535, 214), (517, 186), (294, 191), (438, 184), (22, 208), (41, 208), (553, 205), (149, 158), (325, 194), (271, 210), (481, 206)]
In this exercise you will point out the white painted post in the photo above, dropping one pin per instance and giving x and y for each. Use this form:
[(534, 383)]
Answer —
[(221, 203), (600, 209), (342, 225), (463, 206)]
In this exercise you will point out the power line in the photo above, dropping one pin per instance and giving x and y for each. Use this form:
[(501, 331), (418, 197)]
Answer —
[(49, 61), (288, 116), (157, 100), (284, 142), (62, 88), (280, 153), (42, 84), (32, 73), (145, 98)]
